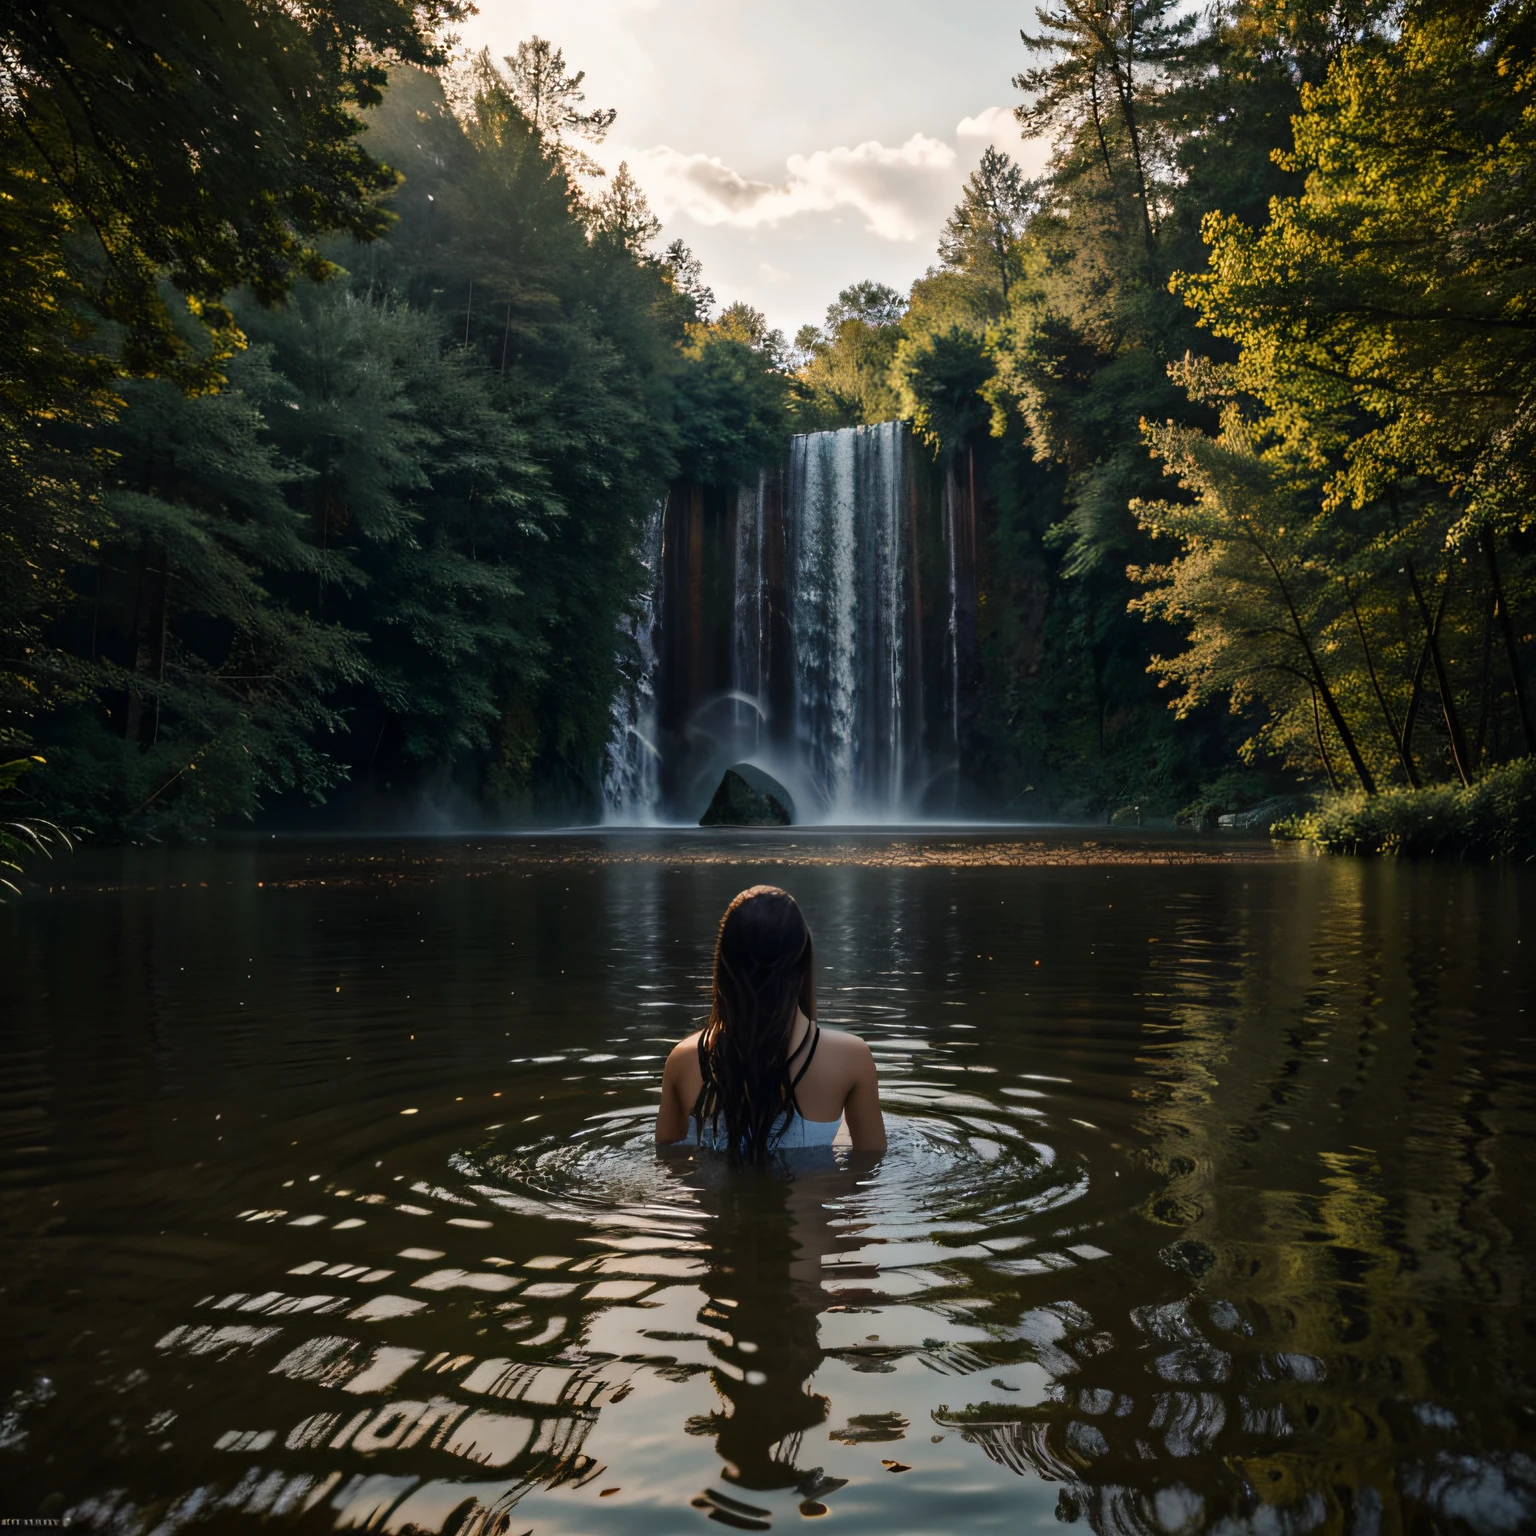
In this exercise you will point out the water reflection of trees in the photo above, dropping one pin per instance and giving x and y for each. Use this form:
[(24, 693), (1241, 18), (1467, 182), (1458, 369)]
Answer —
[(1333, 1274)]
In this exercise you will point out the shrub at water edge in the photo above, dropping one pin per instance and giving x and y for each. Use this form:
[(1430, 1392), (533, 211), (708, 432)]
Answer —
[(1496, 815)]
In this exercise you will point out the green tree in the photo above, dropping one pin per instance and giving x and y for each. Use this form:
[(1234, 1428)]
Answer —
[(1355, 644), (1252, 585), (1390, 301), (417, 497), (1106, 60), (196, 691), (982, 233), (1380, 316), (541, 86), (579, 337), (150, 162), (685, 274), (846, 376), (623, 215), (399, 544), (733, 398), (942, 362), (210, 143)]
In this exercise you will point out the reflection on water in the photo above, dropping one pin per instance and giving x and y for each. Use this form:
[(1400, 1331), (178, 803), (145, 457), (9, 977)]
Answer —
[(334, 1203)]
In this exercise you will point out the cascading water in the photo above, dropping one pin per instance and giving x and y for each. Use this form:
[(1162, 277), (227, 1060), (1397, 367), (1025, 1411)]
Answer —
[(750, 653), (820, 623), (632, 771), (849, 575)]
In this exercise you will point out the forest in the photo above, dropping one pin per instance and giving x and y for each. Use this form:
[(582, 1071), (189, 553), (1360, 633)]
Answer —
[(337, 391)]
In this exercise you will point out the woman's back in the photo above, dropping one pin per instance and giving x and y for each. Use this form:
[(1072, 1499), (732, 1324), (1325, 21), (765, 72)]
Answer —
[(761, 1075), (838, 1083)]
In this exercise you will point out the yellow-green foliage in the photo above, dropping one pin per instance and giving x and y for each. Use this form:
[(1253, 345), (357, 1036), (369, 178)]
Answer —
[(1496, 816), (1349, 552), (1384, 315)]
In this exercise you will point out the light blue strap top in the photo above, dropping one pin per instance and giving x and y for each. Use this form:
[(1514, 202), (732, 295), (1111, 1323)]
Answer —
[(796, 1132), (800, 1132)]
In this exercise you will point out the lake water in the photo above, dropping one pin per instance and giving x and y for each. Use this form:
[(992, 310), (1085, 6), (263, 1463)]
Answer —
[(330, 1198)]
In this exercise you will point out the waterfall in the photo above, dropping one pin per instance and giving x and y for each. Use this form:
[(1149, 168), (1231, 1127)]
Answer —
[(632, 770), (788, 626), (749, 652), (850, 568)]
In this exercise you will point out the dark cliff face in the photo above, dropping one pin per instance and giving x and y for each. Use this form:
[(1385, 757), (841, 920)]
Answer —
[(822, 624)]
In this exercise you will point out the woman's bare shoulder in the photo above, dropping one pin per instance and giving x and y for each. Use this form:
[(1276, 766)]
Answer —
[(685, 1048), (843, 1045)]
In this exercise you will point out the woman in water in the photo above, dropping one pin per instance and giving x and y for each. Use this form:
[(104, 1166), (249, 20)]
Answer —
[(762, 1076)]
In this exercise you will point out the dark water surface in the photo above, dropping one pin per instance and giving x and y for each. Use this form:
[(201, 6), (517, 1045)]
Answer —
[(330, 1201)]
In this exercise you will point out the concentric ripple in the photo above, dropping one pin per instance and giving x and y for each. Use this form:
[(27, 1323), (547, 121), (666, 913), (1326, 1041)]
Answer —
[(337, 1206), (962, 1179)]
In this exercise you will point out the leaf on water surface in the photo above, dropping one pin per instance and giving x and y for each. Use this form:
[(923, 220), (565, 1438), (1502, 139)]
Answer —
[(871, 1429)]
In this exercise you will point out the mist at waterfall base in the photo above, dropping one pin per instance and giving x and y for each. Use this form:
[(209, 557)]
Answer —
[(819, 624)]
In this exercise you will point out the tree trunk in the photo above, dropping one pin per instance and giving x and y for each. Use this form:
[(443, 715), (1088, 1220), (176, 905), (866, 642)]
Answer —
[(1098, 126), (1125, 87), (1485, 707), (1410, 719), (1319, 682), (1322, 746), (1511, 648), (1442, 677), (1381, 698)]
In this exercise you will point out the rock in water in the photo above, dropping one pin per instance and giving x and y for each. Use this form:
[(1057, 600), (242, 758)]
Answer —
[(748, 797), (1265, 814)]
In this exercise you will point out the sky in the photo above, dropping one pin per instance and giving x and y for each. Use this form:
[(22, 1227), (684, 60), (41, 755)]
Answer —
[(796, 146)]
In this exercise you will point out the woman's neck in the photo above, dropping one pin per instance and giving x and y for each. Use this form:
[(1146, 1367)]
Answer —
[(799, 1029)]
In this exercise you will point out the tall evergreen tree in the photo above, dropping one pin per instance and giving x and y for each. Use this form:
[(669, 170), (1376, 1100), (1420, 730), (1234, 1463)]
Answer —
[(1108, 60), (982, 234), (623, 215), (549, 96), (196, 691), (685, 274)]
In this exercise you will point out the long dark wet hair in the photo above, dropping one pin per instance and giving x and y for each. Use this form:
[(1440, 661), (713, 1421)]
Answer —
[(764, 968)]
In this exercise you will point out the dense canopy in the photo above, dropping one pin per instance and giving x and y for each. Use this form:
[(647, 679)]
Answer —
[(338, 387)]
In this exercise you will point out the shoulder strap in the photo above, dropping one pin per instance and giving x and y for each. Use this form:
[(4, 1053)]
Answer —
[(810, 1055)]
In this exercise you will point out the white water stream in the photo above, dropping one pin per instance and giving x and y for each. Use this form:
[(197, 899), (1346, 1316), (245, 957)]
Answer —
[(834, 541)]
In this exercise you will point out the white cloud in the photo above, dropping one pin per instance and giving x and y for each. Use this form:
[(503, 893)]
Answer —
[(997, 125), (890, 186), (993, 125)]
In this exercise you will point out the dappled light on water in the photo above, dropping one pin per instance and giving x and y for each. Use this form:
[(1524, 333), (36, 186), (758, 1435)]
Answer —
[(338, 1207)]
